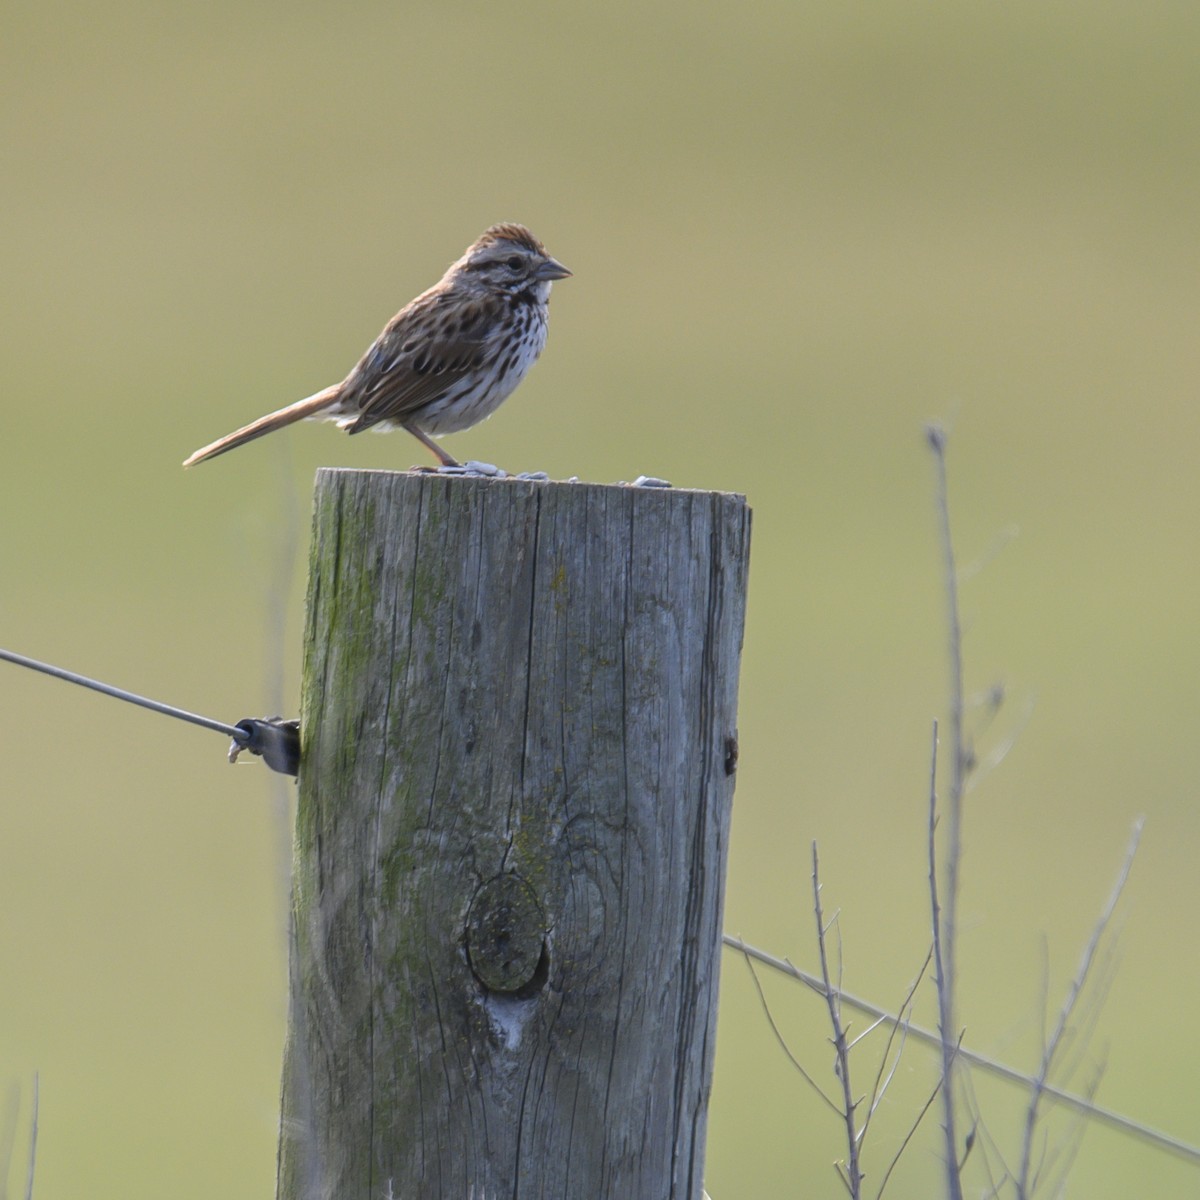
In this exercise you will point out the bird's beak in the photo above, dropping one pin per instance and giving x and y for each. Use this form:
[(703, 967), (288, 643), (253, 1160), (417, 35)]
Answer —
[(552, 269)]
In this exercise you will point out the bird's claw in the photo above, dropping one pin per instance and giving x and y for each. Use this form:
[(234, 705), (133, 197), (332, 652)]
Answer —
[(486, 470)]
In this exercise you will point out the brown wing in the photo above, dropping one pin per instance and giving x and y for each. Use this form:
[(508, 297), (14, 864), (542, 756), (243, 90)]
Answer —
[(425, 349)]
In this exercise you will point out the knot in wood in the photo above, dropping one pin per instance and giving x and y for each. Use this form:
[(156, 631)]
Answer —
[(506, 937)]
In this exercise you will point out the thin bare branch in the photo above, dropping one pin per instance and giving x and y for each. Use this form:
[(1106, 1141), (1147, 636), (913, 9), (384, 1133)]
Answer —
[(1105, 1116), (945, 918), (1069, 1149), (1055, 1043), (1083, 1033), (1008, 534), (937, 1087), (988, 1147), (1044, 993), (1078, 1041), (762, 999), (9, 1111), (840, 1171), (33, 1135), (1000, 752), (881, 1084), (866, 1033), (853, 1174)]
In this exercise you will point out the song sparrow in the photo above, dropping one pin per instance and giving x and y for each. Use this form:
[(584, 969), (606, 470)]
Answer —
[(447, 359)]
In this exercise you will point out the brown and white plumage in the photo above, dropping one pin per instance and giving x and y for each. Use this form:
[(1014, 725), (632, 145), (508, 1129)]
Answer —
[(447, 359)]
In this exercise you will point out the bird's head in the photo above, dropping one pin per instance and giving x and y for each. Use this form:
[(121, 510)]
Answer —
[(507, 259)]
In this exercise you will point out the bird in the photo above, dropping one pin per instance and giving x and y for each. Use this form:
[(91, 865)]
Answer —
[(447, 359)]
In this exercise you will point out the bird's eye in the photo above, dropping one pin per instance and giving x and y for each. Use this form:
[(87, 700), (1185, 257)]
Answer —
[(514, 262)]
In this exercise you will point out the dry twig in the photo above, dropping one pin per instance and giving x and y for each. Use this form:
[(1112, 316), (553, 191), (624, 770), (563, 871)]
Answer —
[(945, 911), (1059, 1038), (851, 1173)]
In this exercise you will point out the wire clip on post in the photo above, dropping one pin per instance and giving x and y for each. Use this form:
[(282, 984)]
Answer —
[(275, 740)]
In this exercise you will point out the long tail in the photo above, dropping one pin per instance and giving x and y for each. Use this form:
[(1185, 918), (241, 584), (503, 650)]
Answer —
[(307, 407)]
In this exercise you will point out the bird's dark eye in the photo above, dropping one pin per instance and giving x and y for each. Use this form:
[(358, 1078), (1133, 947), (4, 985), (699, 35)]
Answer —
[(514, 262)]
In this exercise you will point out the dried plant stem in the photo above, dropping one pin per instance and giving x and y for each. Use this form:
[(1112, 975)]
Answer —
[(1081, 1104), (10, 1111), (851, 1175), (898, 1025), (33, 1135), (945, 910), (1026, 1176), (782, 1041)]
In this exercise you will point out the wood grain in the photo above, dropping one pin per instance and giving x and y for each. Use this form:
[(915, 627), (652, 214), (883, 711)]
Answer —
[(518, 745)]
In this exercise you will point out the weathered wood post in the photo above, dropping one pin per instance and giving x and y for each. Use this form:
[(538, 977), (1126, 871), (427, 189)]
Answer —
[(519, 740)]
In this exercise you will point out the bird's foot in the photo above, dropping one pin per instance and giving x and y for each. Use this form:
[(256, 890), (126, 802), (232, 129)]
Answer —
[(471, 467), (483, 470)]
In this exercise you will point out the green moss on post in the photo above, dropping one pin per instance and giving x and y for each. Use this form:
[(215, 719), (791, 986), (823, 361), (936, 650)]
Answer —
[(514, 811)]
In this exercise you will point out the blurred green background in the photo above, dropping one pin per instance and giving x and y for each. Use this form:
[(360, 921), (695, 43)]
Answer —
[(798, 232)]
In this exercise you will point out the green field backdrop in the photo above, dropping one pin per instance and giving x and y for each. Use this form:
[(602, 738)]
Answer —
[(798, 232)]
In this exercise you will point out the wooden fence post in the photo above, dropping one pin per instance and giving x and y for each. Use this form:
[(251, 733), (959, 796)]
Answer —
[(519, 739)]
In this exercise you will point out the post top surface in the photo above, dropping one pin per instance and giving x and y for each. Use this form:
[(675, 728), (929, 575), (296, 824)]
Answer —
[(420, 477)]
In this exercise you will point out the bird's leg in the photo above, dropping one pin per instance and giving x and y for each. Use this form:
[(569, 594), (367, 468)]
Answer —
[(428, 442)]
